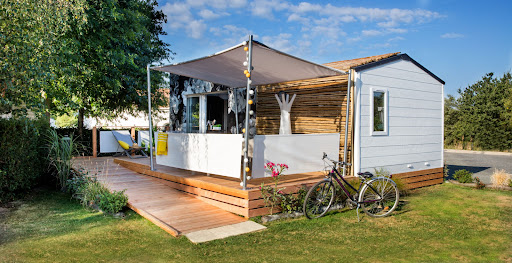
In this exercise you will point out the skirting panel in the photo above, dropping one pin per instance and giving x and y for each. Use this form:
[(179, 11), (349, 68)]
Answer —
[(421, 178)]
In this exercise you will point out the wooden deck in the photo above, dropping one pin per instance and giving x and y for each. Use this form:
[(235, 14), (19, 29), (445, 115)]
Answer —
[(220, 191), (174, 211)]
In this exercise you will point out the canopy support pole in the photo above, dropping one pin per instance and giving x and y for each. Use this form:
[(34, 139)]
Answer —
[(247, 109), (347, 118), (152, 166), (236, 110)]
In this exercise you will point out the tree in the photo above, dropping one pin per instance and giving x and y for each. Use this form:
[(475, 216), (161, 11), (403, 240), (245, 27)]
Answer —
[(506, 82), (451, 118), (479, 116), (108, 58), (30, 49)]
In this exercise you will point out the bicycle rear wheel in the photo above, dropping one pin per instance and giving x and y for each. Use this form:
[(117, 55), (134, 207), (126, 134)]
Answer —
[(371, 201), (319, 199)]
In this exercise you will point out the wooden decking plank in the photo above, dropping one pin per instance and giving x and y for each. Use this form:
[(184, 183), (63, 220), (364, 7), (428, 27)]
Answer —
[(174, 211)]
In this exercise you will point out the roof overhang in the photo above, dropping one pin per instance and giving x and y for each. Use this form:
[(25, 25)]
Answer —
[(270, 66)]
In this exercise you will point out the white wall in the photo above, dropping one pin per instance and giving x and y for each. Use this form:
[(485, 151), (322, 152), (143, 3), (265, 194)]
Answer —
[(415, 125)]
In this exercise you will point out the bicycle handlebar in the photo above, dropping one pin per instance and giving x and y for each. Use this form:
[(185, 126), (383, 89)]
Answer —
[(333, 161)]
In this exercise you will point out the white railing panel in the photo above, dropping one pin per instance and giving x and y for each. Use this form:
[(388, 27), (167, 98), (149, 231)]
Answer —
[(301, 152), (218, 154)]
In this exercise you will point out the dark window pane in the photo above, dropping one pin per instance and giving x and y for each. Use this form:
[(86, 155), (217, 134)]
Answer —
[(378, 111)]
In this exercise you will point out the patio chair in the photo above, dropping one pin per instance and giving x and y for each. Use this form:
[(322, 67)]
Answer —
[(128, 145)]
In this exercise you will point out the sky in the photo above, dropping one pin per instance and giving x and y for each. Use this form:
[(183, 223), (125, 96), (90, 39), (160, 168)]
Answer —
[(459, 41)]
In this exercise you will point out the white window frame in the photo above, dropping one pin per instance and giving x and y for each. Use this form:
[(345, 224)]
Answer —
[(386, 112), (202, 112)]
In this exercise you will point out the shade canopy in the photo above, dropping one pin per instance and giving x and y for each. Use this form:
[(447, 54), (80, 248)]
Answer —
[(269, 66)]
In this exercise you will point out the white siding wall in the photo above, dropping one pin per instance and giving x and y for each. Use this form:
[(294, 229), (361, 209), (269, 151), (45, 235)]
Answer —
[(415, 122)]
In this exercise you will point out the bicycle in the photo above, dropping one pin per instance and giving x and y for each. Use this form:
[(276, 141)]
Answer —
[(377, 196)]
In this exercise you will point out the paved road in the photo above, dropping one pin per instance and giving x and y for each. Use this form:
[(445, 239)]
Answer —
[(481, 165)]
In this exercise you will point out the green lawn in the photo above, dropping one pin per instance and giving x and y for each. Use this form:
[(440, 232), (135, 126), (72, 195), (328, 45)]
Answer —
[(441, 223)]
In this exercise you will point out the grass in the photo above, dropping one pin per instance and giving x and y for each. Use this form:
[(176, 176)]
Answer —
[(440, 223)]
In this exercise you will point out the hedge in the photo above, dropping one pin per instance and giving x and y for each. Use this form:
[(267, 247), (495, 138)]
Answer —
[(22, 155)]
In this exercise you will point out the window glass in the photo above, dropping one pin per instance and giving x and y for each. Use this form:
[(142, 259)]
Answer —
[(193, 114), (378, 111)]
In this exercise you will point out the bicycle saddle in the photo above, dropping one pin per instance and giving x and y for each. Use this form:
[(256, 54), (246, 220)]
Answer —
[(365, 174)]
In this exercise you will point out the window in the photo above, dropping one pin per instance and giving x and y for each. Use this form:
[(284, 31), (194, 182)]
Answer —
[(207, 113), (193, 114), (379, 111)]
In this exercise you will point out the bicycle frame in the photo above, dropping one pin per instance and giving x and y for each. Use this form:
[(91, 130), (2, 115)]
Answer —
[(336, 174)]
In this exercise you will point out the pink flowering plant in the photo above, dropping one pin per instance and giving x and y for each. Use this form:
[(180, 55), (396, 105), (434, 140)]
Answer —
[(272, 196)]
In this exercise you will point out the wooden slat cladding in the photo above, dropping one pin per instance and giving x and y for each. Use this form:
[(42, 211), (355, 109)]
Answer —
[(421, 178), (319, 107)]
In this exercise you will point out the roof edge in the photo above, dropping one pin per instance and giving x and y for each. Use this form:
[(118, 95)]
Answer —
[(394, 58)]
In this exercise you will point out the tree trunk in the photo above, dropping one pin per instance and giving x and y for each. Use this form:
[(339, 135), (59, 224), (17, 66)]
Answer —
[(48, 105), (80, 122)]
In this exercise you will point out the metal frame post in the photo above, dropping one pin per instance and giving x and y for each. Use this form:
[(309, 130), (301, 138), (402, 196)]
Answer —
[(150, 122), (247, 109), (346, 122), (236, 109)]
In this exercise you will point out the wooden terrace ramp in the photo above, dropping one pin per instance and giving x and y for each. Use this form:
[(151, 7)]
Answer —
[(175, 212)]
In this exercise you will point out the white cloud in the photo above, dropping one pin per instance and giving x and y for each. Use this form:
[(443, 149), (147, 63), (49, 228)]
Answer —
[(298, 18), (229, 35), (196, 28), (452, 35), (217, 4), (383, 17), (323, 25), (280, 42), (393, 39), (371, 33), (208, 14), (266, 8), (188, 16), (374, 32)]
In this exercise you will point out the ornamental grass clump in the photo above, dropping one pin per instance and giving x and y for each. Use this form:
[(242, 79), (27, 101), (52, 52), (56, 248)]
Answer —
[(272, 196), (500, 178), (60, 156)]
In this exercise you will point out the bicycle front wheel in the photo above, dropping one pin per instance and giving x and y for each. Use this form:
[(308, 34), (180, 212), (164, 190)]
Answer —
[(319, 199), (379, 197)]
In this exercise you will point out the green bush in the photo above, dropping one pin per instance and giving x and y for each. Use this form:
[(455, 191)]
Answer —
[(92, 192), (22, 158), (463, 176), (112, 202), (290, 203), (510, 183), (79, 179)]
